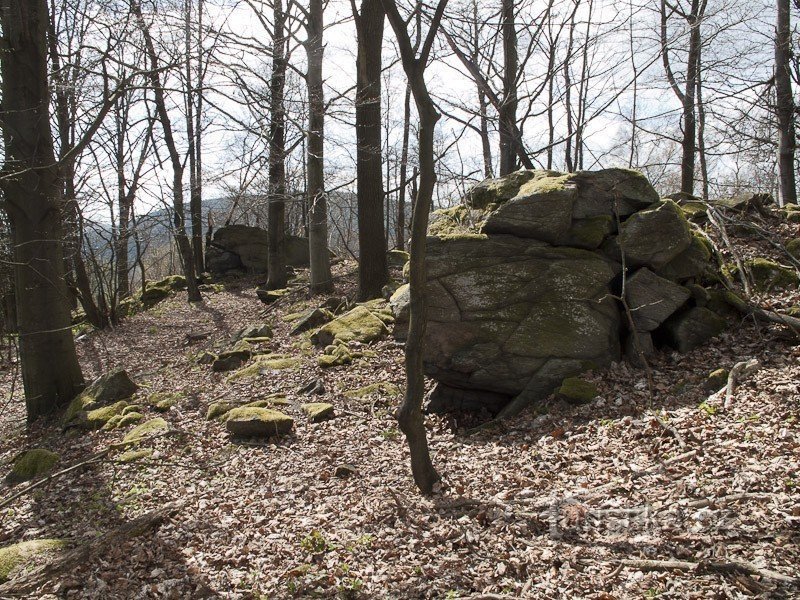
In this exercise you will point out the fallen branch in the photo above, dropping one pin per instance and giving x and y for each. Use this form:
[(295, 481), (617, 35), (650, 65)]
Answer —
[(738, 372), (728, 566), (31, 581)]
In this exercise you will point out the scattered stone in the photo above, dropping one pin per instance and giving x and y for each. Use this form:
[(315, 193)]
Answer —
[(133, 455), (145, 430), (30, 464), (99, 417), (652, 299), (335, 355), (19, 555), (206, 358), (336, 305), (313, 319), (163, 401), (110, 387), (577, 391), (655, 236), (264, 363), (231, 360), (314, 386), (317, 411), (216, 410), (345, 470), (716, 380), (155, 292), (270, 296), (766, 274), (356, 325), (260, 331), (248, 421), (793, 248), (691, 328)]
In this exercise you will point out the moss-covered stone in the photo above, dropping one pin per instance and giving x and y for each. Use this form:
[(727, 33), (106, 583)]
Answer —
[(317, 411), (655, 236), (251, 421), (397, 258), (725, 302), (576, 390), (765, 274), (216, 410), (356, 325), (589, 233), (384, 388), (336, 355), (312, 319), (270, 296), (133, 455), (499, 190), (123, 420), (97, 418), (110, 387), (231, 360), (205, 358), (163, 401), (267, 362), (260, 330), (19, 555), (145, 430), (688, 329), (716, 380), (453, 222), (793, 248), (31, 464), (692, 262)]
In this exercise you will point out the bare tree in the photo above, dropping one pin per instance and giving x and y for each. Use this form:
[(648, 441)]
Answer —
[(786, 110)]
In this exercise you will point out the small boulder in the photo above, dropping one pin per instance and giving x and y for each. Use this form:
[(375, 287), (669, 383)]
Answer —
[(345, 470), (655, 236), (262, 330), (356, 325), (313, 319), (249, 421), (793, 248), (270, 296), (688, 329), (100, 417), (638, 347), (231, 360), (216, 410), (652, 299), (716, 380), (767, 274), (397, 258), (110, 387), (576, 390), (30, 464), (18, 555), (145, 430), (317, 411)]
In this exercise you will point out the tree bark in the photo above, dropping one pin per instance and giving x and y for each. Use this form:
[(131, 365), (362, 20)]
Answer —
[(400, 234), (787, 140), (31, 185), (373, 270), (321, 280), (410, 417), (194, 138), (507, 115)]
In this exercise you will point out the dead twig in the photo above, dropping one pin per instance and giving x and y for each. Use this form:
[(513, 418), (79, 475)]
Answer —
[(711, 566), (739, 371)]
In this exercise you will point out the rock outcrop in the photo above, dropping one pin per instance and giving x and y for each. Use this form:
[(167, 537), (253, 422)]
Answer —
[(525, 280), (245, 248)]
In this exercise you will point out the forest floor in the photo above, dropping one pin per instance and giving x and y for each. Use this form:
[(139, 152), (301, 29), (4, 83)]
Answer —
[(552, 506)]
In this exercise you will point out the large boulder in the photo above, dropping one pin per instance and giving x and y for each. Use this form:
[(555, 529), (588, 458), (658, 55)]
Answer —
[(246, 248), (525, 277), (108, 390)]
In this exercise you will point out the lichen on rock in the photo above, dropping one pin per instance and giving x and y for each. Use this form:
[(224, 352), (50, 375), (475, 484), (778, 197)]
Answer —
[(32, 463)]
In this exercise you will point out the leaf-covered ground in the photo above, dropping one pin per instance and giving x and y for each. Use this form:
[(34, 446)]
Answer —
[(549, 507)]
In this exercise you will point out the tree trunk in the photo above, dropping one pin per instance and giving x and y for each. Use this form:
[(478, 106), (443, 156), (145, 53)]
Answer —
[(321, 280), (410, 417), (31, 185), (373, 271), (689, 143), (193, 137), (785, 105), (276, 209), (401, 199), (507, 116)]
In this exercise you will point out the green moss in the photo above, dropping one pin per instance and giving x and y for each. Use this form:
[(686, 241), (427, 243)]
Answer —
[(18, 555), (589, 233), (766, 274), (129, 419), (716, 380), (146, 429), (317, 411), (384, 388), (31, 464), (358, 324), (270, 296), (266, 362), (793, 248), (496, 191), (134, 455), (336, 355), (163, 401), (97, 418), (253, 421), (293, 316), (577, 391), (216, 410)]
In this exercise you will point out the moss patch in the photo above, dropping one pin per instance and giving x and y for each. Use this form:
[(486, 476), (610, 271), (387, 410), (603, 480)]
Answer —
[(97, 418), (257, 422), (18, 555), (134, 455), (163, 401), (576, 390), (216, 410), (317, 411), (31, 464), (384, 388), (766, 274), (357, 325), (147, 429), (716, 380), (267, 362)]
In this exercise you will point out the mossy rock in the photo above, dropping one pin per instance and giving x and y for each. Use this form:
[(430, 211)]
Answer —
[(32, 463), (19, 555), (716, 380), (260, 330), (312, 319), (655, 236), (155, 292), (356, 325), (266, 362), (577, 391), (454, 222), (336, 356), (793, 248), (270, 296), (145, 430), (589, 233), (317, 411), (249, 421), (725, 303), (397, 258), (163, 401), (123, 420), (793, 216), (216, 410), (108, 388), (99, 417), (688, 329), (384, 388), (214, 288), (501, 189), (205, 358), (230, 360), (133, 455), (293, 316), (766, 274)]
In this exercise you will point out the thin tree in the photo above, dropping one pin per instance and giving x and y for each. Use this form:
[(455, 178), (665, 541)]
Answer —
[(507, 112), (373, 270), (32, 190), (410, 417), (785, 105)]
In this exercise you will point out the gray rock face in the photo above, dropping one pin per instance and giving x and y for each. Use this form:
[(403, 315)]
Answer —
[(523, 282), (244, 247), (652, 299), (691, 328)]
